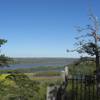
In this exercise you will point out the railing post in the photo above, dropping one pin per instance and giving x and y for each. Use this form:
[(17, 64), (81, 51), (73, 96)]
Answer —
[(98, 83), (61, 93)]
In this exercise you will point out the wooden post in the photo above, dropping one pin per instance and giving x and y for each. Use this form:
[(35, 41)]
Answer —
[(66, 71), (64, 74)]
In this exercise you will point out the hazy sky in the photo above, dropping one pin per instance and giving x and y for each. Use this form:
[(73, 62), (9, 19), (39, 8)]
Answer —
[(42, 28)]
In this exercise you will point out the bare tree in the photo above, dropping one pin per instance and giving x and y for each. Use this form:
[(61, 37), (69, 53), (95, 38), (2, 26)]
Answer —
[(88, 41)]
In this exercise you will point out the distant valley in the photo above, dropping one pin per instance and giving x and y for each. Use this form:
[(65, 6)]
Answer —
[(39, 64), (64, 61)]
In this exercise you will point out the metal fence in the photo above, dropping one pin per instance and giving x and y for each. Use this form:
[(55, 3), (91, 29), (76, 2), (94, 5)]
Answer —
[(82, 87), (78, 87)]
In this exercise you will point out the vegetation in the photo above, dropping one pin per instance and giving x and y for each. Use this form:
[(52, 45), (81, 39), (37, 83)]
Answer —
[(17, 86), (82, 68), (4, 61), (33, 85), (47, 74)]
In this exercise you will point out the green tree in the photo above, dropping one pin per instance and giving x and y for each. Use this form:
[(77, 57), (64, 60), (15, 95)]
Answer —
[(3, 59)]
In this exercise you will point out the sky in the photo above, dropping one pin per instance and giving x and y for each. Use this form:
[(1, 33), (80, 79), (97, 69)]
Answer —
[(42, 28)]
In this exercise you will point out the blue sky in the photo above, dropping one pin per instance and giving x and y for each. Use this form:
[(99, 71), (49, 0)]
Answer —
[(42, 28)]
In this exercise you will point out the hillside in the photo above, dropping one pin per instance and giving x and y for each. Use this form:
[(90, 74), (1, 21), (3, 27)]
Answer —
[(44, 60)]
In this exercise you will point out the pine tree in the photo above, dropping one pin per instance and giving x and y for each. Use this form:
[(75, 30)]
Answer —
[(3, 59)]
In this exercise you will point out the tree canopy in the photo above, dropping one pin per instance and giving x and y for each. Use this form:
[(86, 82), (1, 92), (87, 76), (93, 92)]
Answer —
[(3, 59)]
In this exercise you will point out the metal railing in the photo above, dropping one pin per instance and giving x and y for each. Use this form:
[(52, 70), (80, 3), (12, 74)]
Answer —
[(82, 87), (77, 87)]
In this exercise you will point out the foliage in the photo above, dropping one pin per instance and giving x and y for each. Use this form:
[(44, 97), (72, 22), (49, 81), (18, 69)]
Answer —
[(82, 68), (3, 59), (47, 73), (15, 86), (25, 88)]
